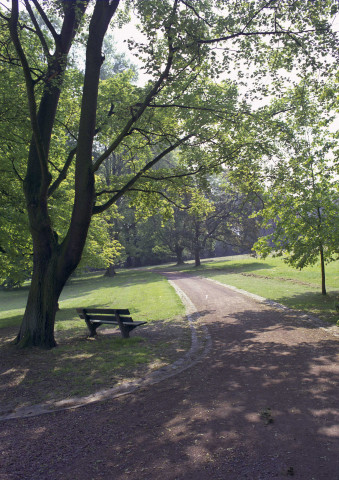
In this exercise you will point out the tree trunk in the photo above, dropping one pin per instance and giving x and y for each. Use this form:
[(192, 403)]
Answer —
[(37, 327), (53, 263), (197, 257), (110, 271), (196, 243), (323, 277), (179, 251)]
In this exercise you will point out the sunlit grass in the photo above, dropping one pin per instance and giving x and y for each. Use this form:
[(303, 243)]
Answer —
[(148, 296)]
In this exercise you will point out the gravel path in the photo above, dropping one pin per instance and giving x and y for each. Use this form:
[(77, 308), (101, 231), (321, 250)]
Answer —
[(261, 404)]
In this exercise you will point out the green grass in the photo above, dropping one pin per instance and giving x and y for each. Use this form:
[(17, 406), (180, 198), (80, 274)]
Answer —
[(79, 365), (148, 296), (273, 279)]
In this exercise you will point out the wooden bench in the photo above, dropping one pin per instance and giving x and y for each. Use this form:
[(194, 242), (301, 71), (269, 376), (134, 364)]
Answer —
[(94, 317)]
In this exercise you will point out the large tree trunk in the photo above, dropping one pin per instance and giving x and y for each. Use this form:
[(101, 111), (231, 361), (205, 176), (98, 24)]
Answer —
[(197, 256), (52, 266), (179, 251), (53, 263), (37, 328)]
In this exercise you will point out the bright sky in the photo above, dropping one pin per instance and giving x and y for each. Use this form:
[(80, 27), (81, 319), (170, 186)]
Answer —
[(121, 36), (131, 31)]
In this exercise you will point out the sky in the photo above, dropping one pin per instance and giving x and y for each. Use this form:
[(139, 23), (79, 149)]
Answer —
[(131, 31)]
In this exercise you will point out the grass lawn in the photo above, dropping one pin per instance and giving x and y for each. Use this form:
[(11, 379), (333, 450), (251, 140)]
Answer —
[(148, 296), (79, 366), (273, 279)]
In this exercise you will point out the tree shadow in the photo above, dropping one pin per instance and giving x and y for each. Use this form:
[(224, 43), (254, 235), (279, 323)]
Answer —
[(317, 303), (206, 267), (262, 404), (81, 365)]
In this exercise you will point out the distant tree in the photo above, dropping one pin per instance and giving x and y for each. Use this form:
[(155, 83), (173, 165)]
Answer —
[(226, 221), (216, 212), (302, 196), (169, 237)]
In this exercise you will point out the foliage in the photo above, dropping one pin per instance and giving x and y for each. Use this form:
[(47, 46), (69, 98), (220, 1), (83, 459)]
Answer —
[(301, 203), (16, 251), (211, 211), (101, 362)]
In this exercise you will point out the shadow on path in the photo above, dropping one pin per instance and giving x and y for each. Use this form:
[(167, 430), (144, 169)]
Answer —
[(262, 404)]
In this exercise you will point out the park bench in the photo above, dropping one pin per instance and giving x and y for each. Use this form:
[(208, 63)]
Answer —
[(94, 317)]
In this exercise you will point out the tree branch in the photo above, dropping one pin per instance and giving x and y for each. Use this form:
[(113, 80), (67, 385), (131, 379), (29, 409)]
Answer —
[(63, 173), (179, 175), (67, 129), (38, 30), (130, 183), (188, 5), (48, 24), (143, 106), (13, 26), (179, 207), (252, 34)]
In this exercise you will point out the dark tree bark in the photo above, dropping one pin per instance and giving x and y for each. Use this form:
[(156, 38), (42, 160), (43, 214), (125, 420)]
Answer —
[(197, 256), (110, 271), (53, 263), (323, 276), (179, 253), (196, 244)]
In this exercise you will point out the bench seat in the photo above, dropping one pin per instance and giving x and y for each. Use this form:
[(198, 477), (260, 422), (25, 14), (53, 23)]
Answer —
[(94, 317)]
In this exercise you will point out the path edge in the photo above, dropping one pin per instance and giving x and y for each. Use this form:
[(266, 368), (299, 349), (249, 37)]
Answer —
[(318, 322)]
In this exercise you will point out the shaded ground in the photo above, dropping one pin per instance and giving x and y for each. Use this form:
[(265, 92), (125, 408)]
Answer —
[(81, 365), (263, 404)]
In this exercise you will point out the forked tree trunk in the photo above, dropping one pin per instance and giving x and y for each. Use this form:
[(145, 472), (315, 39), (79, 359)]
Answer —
[(53, 263), (37, 328)]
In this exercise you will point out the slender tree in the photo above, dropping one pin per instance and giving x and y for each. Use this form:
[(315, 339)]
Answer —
[(301, 201)]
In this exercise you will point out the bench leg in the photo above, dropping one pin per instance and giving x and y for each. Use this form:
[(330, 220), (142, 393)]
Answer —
[(92, 327), (123, 329)]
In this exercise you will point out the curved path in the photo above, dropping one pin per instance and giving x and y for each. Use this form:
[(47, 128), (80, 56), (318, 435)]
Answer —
[(263, 403)]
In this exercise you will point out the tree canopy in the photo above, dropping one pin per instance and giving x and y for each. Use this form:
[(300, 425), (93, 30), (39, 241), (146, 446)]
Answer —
[(194, 53)]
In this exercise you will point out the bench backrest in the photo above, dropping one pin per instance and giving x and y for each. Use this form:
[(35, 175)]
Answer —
[(105, 314), (105, 311)]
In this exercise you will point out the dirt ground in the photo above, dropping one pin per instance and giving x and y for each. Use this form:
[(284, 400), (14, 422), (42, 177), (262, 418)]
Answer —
[(82, 366), (262, 404)]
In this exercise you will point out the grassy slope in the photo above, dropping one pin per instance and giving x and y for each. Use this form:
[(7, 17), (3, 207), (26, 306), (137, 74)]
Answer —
[(273, 279)]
